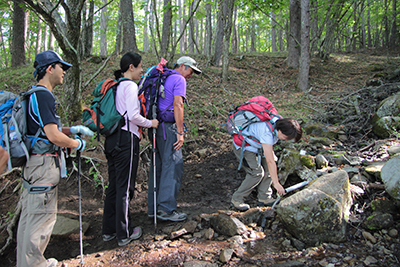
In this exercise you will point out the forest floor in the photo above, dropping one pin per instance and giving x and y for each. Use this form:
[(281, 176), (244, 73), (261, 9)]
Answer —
[(210, 178)]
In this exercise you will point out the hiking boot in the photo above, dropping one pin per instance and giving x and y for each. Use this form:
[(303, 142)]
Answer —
[(109, 237), (240, 205), (175, 216), (266, 202), (136, 234), (51, 262)]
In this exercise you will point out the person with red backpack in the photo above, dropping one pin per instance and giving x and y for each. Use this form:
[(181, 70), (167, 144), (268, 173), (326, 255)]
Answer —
[(253, 146)]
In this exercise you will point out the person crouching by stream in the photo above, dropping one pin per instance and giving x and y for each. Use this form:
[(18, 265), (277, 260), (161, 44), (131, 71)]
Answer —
[(262, 176)]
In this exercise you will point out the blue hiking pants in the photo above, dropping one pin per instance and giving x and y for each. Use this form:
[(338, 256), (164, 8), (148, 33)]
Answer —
[(169, 170)]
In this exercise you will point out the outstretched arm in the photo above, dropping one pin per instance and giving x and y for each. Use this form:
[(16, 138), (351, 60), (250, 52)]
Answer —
[(273, 170)]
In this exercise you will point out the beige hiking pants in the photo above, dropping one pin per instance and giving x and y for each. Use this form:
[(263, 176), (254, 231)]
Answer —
[(38, 214), (256, 177)]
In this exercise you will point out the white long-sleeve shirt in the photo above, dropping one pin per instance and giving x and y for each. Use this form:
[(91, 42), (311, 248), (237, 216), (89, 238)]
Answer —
[(127, 100)]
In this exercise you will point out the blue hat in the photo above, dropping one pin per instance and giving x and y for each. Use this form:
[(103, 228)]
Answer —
[(47, 58)]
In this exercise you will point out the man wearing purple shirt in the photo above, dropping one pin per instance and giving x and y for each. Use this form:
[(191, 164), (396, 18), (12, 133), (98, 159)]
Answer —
[(169, 141)]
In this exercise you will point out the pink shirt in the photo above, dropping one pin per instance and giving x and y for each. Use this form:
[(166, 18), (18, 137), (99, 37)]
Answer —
[(127, 100)]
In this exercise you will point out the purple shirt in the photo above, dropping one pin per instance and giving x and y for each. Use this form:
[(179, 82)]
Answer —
[(175, 85)]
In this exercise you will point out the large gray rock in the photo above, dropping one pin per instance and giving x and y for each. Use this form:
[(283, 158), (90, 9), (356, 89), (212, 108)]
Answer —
[(384, 126), (319, 213), (388, 107), (390, 175)]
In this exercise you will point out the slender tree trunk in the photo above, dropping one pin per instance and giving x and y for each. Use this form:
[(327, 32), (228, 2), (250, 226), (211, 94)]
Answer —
[(234, 32), (253, 37), (3, 46), (146, 28), (369, 24), (228, 13), (182, 23), (354, 38), (44, 40), (103, 30), (191, 29), (362, 31), (394, 33), (89, 31), (207, 44), (39, 37), (280, 37), (51, 41), (118, 34), (167, 21), (18, 35), (304, 70), (128, 27), (219, 41), (294, 37), (387, 30), (273, 32)]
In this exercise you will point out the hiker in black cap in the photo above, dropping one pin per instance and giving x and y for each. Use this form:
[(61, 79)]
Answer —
[(46, 164)]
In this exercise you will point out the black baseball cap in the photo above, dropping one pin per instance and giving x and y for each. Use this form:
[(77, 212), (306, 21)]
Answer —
[(49, 57)]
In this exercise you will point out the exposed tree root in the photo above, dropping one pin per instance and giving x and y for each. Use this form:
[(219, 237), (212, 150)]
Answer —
[(11, 226)]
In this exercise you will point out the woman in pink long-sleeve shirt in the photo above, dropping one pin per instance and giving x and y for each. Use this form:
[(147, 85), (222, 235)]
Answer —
[(122, 152)]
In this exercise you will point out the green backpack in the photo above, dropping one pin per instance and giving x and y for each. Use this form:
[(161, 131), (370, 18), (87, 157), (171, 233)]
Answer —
[(102, 116)]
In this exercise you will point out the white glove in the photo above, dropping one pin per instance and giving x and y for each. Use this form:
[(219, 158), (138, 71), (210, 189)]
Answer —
[(80, 129)]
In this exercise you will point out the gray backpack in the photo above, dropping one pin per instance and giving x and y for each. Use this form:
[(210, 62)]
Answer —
[(13, 134)]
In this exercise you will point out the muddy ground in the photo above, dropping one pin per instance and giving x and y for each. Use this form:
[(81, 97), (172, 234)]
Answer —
[(209, 179)]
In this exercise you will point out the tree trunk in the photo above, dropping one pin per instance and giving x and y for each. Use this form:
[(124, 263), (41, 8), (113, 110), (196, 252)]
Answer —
[(166, 29), (128, 27), (228, 13), (191, 29), (207, 44), (294, 36), (394, 33), (253, 37), (280, 37), (39, 37), (369, 24), (182, 43), (87, 32), (118, 35), (234, 31), (304, 70), (219, 42), (387, 31), (3, 46), (44, 40), (103, 31), (314, 26), (18, 35), (273, 32), (146, 28), (362, 31)]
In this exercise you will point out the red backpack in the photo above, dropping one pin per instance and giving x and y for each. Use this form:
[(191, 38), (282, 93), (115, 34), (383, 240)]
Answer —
[(257, 109)]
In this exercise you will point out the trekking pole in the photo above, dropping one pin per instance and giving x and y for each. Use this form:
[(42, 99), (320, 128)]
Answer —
[(159, 67), (289, 189), (78, 155)]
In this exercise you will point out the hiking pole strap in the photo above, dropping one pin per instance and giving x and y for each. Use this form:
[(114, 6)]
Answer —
[(241, 155)]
